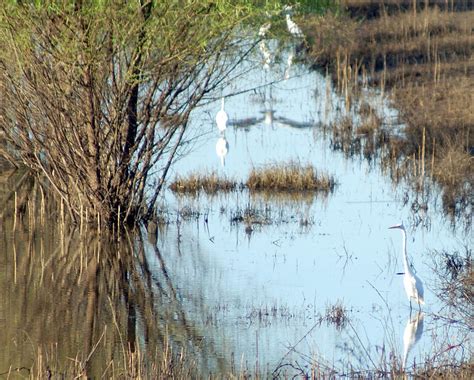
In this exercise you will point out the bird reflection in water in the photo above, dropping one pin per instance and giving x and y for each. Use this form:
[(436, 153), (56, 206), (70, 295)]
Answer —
[(269, 114), (412, 334), (222, 148)]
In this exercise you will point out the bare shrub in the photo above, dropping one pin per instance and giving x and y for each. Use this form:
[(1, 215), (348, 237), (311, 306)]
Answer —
[(97, 97)]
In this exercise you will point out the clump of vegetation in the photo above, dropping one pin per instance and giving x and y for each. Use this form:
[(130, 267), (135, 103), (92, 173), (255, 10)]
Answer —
[(337, 315), (289, 177), (455, 285), (210, 183)]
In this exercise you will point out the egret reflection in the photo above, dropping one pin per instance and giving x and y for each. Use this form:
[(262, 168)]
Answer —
[(269, 115), (289, 62), (222, 148), (412, 334), (266, 54)]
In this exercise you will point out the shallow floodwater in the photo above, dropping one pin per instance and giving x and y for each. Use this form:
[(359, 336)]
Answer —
[(262, 295)]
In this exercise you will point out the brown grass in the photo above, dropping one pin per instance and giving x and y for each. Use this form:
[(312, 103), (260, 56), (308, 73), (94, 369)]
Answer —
[(289, 177), (286, 177), (423, 59), (210, 183)]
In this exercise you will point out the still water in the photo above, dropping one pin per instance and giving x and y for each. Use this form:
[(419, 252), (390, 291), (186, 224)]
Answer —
[(256, 296)]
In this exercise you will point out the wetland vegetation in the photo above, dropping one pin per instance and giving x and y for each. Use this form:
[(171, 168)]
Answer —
[(87, 298), (420, 54)]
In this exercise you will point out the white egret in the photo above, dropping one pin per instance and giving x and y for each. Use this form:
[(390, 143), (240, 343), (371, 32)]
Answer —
[(412, 334), (267, 56), (293, 28), (411, 282), (222, 148), (221, 118), (289, 63)]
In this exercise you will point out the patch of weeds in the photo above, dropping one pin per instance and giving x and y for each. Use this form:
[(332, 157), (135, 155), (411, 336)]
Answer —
[(189, 213), (289, 177), (251, 216), (210, 183), (336, 315)]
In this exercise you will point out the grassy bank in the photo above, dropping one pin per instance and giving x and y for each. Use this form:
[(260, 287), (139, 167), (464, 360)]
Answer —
[(421, 57)]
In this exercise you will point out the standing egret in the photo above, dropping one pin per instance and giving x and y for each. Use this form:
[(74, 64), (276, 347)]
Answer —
[(222, 148), (293, 28), (411, 282), (221, 118)]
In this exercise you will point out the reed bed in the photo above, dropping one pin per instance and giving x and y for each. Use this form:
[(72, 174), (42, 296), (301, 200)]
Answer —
[(420, 55), (288, 177), (210, 183)]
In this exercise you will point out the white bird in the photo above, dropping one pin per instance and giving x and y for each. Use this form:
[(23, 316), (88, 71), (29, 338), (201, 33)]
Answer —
[(412, 334), (293, 28), (221, 118), (411, 282), (267, 56), (289, 62), (222, 148)]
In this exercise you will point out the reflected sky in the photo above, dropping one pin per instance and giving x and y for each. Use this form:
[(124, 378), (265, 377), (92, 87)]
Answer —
[(268, 288)]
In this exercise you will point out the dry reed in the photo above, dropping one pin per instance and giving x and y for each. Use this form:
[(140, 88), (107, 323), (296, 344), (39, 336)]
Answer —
[(289, 177), (420, 53), (210, 183)]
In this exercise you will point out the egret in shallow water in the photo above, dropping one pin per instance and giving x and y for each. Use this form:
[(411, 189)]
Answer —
[(221, 118), (411, 282), (293, 28), (222, 148)]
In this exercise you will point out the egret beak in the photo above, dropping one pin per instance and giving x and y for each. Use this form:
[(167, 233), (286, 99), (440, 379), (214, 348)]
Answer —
[(399, 226)]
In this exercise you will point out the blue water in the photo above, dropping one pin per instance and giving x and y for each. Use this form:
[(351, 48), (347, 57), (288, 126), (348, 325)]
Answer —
[(256, 294)]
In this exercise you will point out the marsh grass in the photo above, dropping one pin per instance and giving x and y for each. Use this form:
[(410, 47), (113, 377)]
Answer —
[(210, 183), (289, 177), (420, 54), (337, 314)]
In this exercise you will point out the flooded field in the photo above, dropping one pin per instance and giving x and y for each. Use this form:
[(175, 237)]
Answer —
[(260, 282)]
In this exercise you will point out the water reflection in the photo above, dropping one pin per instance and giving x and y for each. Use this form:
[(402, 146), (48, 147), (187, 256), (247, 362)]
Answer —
[(266, 55), (77, 295), (222, 148), (412, 334)]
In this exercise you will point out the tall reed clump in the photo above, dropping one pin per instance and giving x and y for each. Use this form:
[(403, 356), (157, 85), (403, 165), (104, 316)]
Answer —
[(210, 183), (290, 177)]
